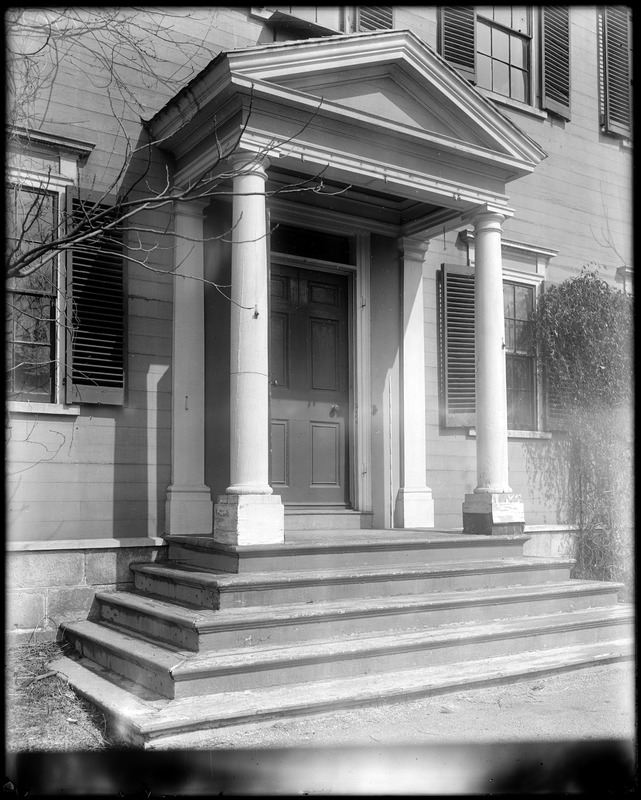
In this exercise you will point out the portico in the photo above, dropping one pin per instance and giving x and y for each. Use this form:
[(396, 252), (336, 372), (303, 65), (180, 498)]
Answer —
[(422, 154)]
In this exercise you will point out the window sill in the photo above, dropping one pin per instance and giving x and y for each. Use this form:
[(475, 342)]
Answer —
[(516, 105), (54, 409), (519, 434)]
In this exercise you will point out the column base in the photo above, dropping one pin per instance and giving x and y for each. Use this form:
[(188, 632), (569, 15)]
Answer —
[(493, 513), (244, 519), (188, 510), (414, 508)]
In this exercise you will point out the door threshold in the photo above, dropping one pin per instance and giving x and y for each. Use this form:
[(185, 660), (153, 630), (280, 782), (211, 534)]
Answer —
[(314, 518)]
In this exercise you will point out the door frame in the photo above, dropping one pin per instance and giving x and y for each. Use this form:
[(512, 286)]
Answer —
[(360, 424)]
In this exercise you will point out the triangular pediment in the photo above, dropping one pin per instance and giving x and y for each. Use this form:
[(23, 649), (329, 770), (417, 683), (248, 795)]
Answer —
[(392, 77), (394, 97)]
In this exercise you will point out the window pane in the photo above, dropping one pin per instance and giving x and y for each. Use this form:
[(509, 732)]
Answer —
[(501, 78), (524, 298), (518, 87), (523, 336), (520, 19), (30, 371), (484, 71), (32, 222), (484, 38), (485, 11), (503, 14), (32, 317), (508, 300), (518, 52), (500, 45)]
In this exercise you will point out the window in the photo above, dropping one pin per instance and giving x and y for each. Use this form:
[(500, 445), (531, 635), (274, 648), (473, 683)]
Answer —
[(32, 298), (503, 50), (65, 309), (459, 363), (520, 363), (615, 69), (493, 46)]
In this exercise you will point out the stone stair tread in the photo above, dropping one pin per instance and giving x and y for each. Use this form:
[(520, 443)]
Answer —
[(133, 646), (184, 573), (184, 664), (262, 657), (167, 719), (203, 620), (330, 540)]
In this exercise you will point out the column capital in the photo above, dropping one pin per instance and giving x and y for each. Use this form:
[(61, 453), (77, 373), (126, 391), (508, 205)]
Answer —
[(486, 216), (249, 163), (413, 247)]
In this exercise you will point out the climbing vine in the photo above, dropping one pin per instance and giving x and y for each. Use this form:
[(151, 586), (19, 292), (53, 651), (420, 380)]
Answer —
[(583, 332)]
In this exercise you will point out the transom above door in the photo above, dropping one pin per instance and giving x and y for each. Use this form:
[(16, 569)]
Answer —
[(309, 376)]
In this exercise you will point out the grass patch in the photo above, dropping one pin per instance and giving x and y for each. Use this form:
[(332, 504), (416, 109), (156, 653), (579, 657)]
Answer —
[(43, 713)]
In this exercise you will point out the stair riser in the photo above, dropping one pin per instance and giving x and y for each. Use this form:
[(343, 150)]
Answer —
[(157, 628), (280, 633), (167, 588), (426, 553), (285, 674), (158, 680), (359, 587), (380, 622)]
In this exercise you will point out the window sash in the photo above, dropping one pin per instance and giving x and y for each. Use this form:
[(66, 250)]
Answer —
[(31, 300)]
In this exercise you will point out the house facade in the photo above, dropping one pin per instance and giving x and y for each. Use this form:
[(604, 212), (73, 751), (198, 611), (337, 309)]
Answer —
[(317, 318)]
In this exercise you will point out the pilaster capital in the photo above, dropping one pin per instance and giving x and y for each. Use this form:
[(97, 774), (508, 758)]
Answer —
[(413, 247), (192, 207), (246, 163)]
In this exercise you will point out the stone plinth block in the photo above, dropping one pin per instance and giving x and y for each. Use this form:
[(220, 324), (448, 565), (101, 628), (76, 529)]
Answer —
[(415, 508), (246, 519), (490, 513), (188, 510)]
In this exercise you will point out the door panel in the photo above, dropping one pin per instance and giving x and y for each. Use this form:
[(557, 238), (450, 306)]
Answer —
[(309, 386)]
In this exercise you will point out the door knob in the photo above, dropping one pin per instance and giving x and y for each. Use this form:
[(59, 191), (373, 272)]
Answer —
[(334, 411)]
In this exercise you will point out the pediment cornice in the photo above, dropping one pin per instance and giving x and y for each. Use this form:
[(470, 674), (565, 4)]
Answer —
[(360, 98)]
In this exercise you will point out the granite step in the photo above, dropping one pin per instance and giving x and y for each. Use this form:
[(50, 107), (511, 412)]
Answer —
[(175, 673), (198, 629), (332, 550), (219, 590), (150, 720)]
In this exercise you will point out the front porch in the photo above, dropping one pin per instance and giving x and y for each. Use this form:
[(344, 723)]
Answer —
[(421, 154)]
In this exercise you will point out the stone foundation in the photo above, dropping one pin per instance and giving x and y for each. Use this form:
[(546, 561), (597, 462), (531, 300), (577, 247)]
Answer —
[(50, 583)]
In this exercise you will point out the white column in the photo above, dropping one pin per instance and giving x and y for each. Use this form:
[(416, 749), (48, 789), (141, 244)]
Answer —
[(414, 502), (248, 513), (188, 507), (492, 508)]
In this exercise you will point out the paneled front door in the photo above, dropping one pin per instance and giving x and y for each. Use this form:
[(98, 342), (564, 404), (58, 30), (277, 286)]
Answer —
[(309, 376)]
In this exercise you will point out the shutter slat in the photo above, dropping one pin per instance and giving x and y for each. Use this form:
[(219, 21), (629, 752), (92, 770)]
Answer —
[(458, 38), (459, 346), (616, 70), (555, 59), (95, 279), (375, 18)]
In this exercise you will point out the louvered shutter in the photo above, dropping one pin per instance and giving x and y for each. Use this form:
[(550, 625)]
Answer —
[(375, 18), (459, 371), (616, 70), (555, 59), (556, 414), (95, 363), (457, 38)]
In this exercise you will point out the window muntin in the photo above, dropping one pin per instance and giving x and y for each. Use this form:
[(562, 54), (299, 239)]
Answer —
[(31, 305), (503, 51), (520, 362)]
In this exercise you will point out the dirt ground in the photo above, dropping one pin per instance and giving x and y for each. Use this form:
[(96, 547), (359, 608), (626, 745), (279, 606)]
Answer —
[(567, 733), (589, 704)]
